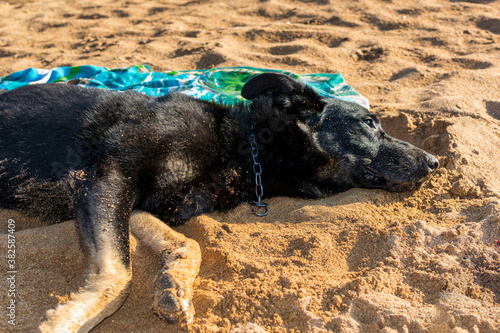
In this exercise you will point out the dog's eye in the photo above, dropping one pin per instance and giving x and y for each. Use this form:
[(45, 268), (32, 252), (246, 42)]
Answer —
[(369, 122)]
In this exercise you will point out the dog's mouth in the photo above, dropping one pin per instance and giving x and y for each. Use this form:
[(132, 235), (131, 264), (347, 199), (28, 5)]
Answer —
[(374, 179)]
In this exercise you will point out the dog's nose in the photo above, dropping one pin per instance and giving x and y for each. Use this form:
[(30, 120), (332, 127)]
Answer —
[(432, 162)]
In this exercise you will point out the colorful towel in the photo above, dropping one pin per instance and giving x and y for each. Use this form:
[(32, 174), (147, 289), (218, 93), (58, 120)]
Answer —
[(221, 85)]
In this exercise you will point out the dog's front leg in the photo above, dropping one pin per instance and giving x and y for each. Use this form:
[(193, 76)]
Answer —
[(102, 209), (181, 258)]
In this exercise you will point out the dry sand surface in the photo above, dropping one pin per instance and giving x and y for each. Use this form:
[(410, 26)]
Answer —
[(360, 261)]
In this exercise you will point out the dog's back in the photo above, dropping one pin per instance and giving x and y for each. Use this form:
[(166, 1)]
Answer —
[(38, 131), (52, 134), (38, 125)]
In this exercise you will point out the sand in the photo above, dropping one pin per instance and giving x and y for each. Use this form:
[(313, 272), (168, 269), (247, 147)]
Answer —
[(360, 261)]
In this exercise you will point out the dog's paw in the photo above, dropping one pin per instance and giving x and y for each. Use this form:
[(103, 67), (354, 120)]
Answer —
[(48, 314), (172, 300), (49, 325)]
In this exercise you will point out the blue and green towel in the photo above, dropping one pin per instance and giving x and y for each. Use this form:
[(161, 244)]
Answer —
[(222, 85)]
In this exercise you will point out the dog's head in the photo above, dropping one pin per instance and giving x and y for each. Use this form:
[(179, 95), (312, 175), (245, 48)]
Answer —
[(345, 145)]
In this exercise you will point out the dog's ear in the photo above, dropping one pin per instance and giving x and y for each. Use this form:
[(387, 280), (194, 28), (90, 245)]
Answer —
[(287, 94), (269, 83)]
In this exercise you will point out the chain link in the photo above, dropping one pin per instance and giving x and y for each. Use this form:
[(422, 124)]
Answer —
[(257, 170)]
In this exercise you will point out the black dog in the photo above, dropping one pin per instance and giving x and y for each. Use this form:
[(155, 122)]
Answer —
[(97, 156)]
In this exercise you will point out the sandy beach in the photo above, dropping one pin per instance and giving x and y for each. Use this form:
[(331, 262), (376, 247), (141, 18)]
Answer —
[(359, 261)]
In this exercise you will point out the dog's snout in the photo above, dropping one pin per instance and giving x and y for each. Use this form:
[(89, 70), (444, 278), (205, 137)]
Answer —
[(432, 162)]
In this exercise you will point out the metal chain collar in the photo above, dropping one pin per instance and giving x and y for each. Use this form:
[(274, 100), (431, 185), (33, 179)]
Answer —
[(257, 170)]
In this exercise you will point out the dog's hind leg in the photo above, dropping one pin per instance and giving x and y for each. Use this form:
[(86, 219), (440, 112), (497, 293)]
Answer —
[(106, 288), (181, 258), (102, 211)]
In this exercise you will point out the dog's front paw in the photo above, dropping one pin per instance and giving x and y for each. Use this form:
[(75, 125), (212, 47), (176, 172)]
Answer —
[(172, 299)]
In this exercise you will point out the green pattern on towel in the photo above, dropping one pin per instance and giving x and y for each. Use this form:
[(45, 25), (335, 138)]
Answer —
[(221, 85)]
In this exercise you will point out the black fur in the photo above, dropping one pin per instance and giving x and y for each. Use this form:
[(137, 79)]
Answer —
[(68, 151)]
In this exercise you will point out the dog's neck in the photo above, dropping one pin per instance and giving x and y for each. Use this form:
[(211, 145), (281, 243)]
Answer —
[(277, 138)]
